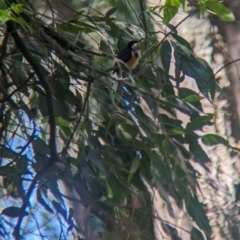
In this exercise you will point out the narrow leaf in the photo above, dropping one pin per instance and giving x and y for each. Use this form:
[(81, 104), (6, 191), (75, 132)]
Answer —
[(202, 8), (166, 55), (213, 139), (222, 11), (134, 168)]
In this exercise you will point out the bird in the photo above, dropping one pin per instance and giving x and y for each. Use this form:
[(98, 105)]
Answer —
[(129, 57)]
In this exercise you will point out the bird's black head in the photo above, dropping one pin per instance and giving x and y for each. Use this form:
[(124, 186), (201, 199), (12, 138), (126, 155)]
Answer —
[(134, 44)]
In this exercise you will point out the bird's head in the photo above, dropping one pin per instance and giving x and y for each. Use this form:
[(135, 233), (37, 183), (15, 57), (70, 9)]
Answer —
[(134, 44)]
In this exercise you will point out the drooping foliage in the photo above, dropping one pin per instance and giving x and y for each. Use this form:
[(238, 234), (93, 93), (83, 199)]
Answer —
[(66, 118)]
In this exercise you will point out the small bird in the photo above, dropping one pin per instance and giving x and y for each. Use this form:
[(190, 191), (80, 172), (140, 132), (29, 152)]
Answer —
[(129, 57)]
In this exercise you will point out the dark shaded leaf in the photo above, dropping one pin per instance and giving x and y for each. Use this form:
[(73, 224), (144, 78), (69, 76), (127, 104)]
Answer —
[(182, 41), (198, 213), (40, 146), (197, 151), (92, 156), (108, 188), (59, 209), (196, 234), (8, 153), (126, 132), (142, 219), (42, 201), (198, 122), (171, 231), (166, 55), (166, 145), (70, 228), (144, 119), (13, 212), (200, 71), (70, 215)]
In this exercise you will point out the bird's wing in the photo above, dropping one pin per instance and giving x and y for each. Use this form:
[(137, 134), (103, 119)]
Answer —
[(125, 54)]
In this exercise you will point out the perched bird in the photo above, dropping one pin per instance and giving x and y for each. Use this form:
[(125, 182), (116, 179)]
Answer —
[(129, 57)]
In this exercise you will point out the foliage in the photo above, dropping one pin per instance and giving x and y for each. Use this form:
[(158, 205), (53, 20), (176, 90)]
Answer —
[(65, 118)]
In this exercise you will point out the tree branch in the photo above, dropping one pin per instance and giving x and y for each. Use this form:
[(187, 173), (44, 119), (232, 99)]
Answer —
[(49, 101), (49, 95)]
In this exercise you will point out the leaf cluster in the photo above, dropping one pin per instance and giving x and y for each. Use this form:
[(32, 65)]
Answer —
[(114, 138)]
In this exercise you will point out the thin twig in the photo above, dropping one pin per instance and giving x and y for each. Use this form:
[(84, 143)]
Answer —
[(18, 88)]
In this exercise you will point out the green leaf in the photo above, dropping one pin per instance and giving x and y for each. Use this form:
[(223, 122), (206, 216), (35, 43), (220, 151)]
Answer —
[(40, 146), (198, 213), (108, 189), (3, 5), (17, 8), (7, 153), (166, 55), (104, 46), (168, 122), (197, 151), (185, 93), (202, 9), (182, 41), (4, 16), (126, 132), (159, 167), (170, 10), (145, 120), (184, 5), (134, 168), (142, 219), (222, 11), (117, 192), (166, 145), (200, 71), (192, 98), (62, 122), (21, 22), (198, 122), (74, 26), (213, 139), (92, 156), (178, 130)]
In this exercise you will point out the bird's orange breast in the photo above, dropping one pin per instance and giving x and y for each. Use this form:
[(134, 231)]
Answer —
[(133, 61)]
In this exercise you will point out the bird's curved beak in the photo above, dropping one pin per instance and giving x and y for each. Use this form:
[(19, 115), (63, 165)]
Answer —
[(136, 45)]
